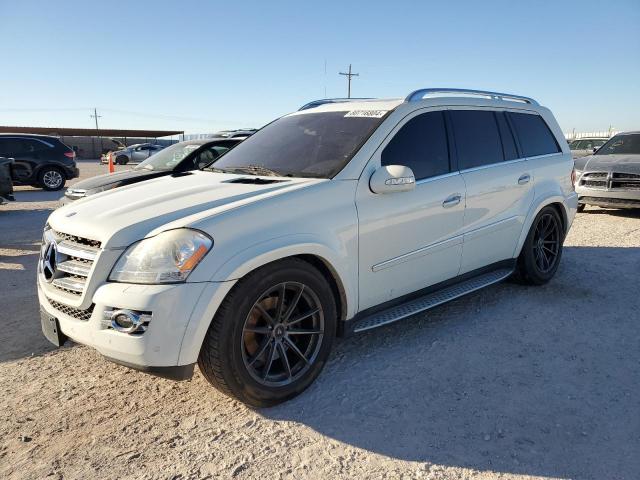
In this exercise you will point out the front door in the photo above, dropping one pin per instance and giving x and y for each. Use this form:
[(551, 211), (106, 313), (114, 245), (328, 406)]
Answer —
[(411, 240)]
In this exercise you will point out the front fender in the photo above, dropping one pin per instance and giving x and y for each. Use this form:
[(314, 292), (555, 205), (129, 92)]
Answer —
[(335, 257)]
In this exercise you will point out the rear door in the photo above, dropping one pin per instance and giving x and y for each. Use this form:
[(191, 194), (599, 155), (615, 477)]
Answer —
[(411, 240), (498, 184), (19, 150)]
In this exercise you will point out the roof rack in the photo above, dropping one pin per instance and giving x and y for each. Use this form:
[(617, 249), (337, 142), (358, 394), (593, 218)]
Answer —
[(418, 95), (324, 101)]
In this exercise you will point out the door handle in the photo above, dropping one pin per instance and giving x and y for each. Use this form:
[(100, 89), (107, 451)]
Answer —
[(452, 200), (524, 179)]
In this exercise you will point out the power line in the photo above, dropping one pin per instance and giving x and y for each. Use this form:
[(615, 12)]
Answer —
[(349, 75)]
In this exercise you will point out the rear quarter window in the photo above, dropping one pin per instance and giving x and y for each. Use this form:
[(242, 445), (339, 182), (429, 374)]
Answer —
[(534, 134)]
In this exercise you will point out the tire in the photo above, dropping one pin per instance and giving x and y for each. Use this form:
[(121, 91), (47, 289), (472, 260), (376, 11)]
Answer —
[(581, 207), (122, 160), (242, 343), (51, 179), (538, 263)]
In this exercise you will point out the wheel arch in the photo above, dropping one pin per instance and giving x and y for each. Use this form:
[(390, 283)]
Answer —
[(555, 201), (332, 261), (226, 278)]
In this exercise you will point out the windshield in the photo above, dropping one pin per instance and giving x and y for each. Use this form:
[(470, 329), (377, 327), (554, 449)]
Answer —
[(315, 145), (621, 144), (167, 158)]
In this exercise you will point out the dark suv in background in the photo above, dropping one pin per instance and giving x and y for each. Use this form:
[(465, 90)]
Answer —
[(39, 160)]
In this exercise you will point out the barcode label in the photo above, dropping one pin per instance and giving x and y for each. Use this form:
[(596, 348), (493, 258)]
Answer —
[(366, 113)]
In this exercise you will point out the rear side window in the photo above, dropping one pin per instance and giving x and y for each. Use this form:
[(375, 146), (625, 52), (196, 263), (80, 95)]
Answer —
[(534, 134), (477, 138), (421, 145)]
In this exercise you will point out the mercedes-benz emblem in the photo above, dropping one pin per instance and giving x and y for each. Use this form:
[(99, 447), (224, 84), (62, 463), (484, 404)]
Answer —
[(49, 260)]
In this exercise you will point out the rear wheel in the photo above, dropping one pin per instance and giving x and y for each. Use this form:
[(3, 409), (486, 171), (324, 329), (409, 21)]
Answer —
[(542, 250), (51, 179), (272, 335)]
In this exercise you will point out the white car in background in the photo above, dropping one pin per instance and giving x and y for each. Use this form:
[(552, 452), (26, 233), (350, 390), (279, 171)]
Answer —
[(136, 153), (335, 219), (586, 146)]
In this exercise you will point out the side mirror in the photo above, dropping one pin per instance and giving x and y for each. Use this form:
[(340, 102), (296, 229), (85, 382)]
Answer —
[(392, 178), (595, 149)]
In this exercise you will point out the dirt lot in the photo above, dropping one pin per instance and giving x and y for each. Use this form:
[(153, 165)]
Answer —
[(510, 382)]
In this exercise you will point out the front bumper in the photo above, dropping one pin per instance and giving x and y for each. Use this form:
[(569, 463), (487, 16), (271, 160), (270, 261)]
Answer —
[(180, 317), (608, 198)]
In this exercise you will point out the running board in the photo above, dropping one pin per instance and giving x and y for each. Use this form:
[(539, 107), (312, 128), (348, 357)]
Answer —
[(430, 300)]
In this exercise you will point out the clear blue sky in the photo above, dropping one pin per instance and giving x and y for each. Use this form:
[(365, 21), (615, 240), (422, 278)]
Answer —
[(204, 66)]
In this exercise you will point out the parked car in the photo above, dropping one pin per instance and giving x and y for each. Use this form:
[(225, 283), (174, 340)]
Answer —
[(179, 157), (331, 220), (610, 178), (138, 152), (586, 146), (39, 160), (6, 184), (242, 132)]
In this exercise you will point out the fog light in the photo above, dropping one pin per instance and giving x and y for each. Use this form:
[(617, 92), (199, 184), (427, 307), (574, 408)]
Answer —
[(126, 321)]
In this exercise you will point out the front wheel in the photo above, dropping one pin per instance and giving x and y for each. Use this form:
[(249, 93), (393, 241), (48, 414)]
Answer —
[(271, 335), (542, 249), (122, 160)]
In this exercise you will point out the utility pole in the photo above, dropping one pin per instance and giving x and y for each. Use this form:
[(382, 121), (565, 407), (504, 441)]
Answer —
[(349, 75), (96, 117)]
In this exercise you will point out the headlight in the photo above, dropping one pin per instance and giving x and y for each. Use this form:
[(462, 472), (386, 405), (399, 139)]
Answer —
[(168, 257)]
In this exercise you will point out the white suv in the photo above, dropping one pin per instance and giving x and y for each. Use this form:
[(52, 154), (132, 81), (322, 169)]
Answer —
[(337, 218)]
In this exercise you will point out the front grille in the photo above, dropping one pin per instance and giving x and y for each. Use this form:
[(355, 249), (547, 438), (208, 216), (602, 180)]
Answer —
[(75, 257), (76, 313), (77, 240), (613, 181), (595, 183), (625, 181)]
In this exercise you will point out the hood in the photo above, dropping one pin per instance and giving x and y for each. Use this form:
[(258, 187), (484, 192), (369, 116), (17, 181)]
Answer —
[(124, 215), (115, 179), (609, 163)]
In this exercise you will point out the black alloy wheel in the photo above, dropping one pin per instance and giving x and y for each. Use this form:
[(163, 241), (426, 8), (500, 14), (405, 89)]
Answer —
[(282, 334), (546, 242)]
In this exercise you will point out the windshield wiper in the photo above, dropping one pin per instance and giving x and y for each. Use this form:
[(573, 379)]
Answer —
[(258, 170), (217, 170)]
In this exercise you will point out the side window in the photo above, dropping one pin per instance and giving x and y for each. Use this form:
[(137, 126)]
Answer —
[(12, 147), (534, 134), (477, 138), (508, 143), (421, 145), (34, 146)]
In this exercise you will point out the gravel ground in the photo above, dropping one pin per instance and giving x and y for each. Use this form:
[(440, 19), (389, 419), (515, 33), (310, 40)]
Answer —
[(509, 382)]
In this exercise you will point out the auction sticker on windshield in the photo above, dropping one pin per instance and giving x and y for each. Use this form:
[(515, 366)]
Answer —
[(366, 113)]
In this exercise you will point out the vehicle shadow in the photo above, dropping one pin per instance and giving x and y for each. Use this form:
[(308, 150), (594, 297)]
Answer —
[(513, 379), (32, 195), (621, 212), (20, 237)]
